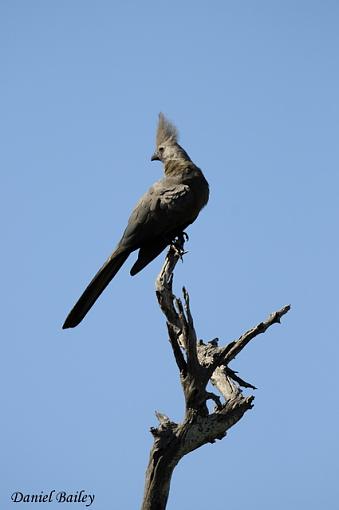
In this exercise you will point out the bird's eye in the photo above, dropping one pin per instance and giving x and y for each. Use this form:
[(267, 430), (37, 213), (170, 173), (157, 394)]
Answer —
[(161, 149)]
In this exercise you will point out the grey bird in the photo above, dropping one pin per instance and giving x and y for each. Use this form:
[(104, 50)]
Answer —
[(162, 214)]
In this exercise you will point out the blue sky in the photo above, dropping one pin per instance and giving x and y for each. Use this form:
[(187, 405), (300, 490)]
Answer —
[(253, 88)]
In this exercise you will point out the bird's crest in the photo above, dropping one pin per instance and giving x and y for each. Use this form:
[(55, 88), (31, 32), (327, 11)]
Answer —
[(166, 132)]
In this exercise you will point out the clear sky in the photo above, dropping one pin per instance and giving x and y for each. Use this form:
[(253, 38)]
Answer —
[(253, 88)]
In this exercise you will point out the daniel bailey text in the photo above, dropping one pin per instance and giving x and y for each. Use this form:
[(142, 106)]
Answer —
[(53, 495)]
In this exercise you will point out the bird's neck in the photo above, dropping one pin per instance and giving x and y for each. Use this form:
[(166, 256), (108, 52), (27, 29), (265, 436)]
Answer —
[(177, 166)]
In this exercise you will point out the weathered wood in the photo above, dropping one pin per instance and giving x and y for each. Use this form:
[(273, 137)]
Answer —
[(198, 363)]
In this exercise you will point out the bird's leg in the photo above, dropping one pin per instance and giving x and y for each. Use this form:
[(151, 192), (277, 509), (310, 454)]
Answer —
[(183, 236)]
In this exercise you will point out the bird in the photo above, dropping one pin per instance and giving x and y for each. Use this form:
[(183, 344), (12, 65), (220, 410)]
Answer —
[(161, 215)]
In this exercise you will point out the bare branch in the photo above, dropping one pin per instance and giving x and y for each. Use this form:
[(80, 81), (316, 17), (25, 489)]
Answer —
[(238, 345), (178, 355), (233, 375), (203, 363)]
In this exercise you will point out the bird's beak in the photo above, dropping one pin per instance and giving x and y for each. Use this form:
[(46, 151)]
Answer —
[(155, 157)]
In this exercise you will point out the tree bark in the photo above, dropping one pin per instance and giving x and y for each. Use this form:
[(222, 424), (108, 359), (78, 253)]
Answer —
[(198, 363)]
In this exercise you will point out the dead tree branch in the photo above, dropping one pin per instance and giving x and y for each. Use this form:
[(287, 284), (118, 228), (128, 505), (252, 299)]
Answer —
[(198, 363)]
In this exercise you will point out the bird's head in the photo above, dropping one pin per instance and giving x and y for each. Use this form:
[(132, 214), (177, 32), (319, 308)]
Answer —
[(167, 147)]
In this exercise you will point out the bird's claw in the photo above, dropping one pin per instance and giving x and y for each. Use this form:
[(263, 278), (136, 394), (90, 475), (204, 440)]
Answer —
[(178, 250)]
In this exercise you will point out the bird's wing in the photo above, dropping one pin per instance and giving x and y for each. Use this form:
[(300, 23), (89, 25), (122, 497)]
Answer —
[(162, 210)]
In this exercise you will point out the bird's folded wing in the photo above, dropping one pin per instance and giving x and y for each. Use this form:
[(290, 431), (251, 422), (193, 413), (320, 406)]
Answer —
[(160, 211)]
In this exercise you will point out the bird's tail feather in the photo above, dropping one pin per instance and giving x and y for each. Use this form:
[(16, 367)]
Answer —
[(95, 288)]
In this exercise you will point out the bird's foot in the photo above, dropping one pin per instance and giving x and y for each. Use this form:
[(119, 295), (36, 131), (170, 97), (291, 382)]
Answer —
[(177, 244)]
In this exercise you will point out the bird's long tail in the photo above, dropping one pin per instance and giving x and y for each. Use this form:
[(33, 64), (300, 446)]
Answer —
[(95, 288)]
